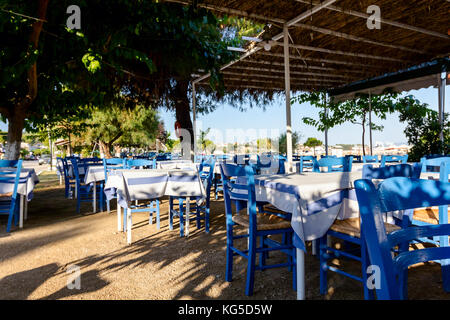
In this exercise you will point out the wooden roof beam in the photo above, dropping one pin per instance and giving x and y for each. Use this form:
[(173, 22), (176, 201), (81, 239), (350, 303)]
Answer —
[(294, 72), (300, 66), (345, 53), (272, 76), (385, 21)]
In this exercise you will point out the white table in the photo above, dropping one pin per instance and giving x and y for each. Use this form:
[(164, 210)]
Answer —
[(315, 200), (28, 179), (144, 184)]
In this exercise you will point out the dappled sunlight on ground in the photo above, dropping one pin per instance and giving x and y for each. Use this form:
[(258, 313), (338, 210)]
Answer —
[(158, 265)]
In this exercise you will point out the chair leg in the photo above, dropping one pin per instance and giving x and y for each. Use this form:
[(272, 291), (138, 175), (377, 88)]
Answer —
[(251, 266), (157, 214), (368, 293), (170, 213), (129, 225), (323, 264), (229, 254), (207, 218), (197, 213), (119, 217), (181, 211), (262, 255), (125, 213)]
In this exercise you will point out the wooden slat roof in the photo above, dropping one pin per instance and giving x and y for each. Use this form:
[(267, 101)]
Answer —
[(334, 47)]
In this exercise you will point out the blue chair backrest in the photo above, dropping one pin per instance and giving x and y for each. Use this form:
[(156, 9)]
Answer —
[(234, 190), (242, 159), (307, 162), (113, 163), (398, 170), (432, 156), (135, 163), (206, 172), (75, 163), (400, 159), (274, 162), (9, 163), (399, 193), (343, 164), (370, 159), (5, 176), (433, 164)]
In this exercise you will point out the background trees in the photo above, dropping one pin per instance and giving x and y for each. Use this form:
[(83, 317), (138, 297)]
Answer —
[(313, 143), (423, 129), (143, 51)]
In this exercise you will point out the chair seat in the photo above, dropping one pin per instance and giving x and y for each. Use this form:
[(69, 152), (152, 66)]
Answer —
[(5, 196), (272, 209), (263, 221), (352, 227), (428, 215)]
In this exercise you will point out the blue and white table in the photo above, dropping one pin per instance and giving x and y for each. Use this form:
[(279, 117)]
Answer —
[(146, 184), (28, 179), (315, 200)]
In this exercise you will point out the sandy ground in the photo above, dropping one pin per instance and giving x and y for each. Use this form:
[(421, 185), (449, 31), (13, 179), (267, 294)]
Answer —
[(34, 261)]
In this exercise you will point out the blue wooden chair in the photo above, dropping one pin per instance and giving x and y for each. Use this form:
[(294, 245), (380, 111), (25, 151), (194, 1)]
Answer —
[(153, 205), (273, 162), (140, 163), (112, 164), (257, 225), (349, 230), (393, 159), (218, 187), (334, 164), (9, 203), (85, 193), (307, 162), (69, 182), (201, 209), (400, 194), (370, 159), (436, 215)]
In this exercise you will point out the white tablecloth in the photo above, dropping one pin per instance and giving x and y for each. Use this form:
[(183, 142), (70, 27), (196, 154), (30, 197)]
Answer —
[(174, 164), (28, 179), (144, 184)]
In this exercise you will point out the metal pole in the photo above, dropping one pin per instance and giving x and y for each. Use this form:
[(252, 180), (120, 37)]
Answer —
[(326, 129), (287, 83), (194, 119), (370, 122), (441, 91)]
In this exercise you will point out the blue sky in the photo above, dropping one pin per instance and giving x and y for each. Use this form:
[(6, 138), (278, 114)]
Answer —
[(274, 119)]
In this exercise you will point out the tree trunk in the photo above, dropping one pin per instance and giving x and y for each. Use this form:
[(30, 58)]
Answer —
[(105, 149), (183, 111), (15, 127), (16, 118), (363, 133)]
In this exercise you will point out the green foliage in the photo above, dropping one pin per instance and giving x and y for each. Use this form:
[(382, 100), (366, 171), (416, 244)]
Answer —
[(282, 142), (136, 127), (423, 129)]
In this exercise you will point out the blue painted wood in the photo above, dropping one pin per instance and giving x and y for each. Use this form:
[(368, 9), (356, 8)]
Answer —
[(396, 159), (9, 205), (326, 253), (334, 164), (69, 182), (85, 193), (140, 163), (108, 164), (307, 162), (200, 211), (400, 193), (151, 206), (370, 159), (246, 192)]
